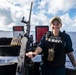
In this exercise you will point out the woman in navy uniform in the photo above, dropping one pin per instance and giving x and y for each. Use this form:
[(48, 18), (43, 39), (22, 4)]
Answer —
[(54, 46)]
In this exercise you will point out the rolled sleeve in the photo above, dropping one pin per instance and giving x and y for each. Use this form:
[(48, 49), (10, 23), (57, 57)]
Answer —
[(68, 47)]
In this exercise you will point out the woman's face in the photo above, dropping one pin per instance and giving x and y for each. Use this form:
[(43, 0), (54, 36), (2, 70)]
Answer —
[(56, 26)]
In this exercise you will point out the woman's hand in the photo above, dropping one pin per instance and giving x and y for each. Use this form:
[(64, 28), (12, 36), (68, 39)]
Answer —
[(33, 54), (30, 54)]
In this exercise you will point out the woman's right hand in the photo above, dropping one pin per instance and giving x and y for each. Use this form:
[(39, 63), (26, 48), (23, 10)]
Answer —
[(30, 54)]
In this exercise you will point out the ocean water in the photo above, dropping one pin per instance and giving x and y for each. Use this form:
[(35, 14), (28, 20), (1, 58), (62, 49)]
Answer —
[(7, 34), (72, 35)]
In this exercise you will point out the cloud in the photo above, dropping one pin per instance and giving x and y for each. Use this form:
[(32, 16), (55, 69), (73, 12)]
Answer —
[(5, 11), (60, 5), (12, 11), (55, 6), (69, 24), (5, 15)]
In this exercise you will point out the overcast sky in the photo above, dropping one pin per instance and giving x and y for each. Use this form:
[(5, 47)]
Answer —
[(12, 11)]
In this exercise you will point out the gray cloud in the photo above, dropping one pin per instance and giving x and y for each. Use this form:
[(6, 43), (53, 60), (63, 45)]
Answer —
[(6, 13)]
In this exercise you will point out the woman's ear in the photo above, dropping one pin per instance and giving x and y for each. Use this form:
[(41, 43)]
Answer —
[(60, 25)]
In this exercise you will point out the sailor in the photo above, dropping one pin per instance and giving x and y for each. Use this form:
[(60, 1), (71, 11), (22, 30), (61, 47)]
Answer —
[(54, 45)]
